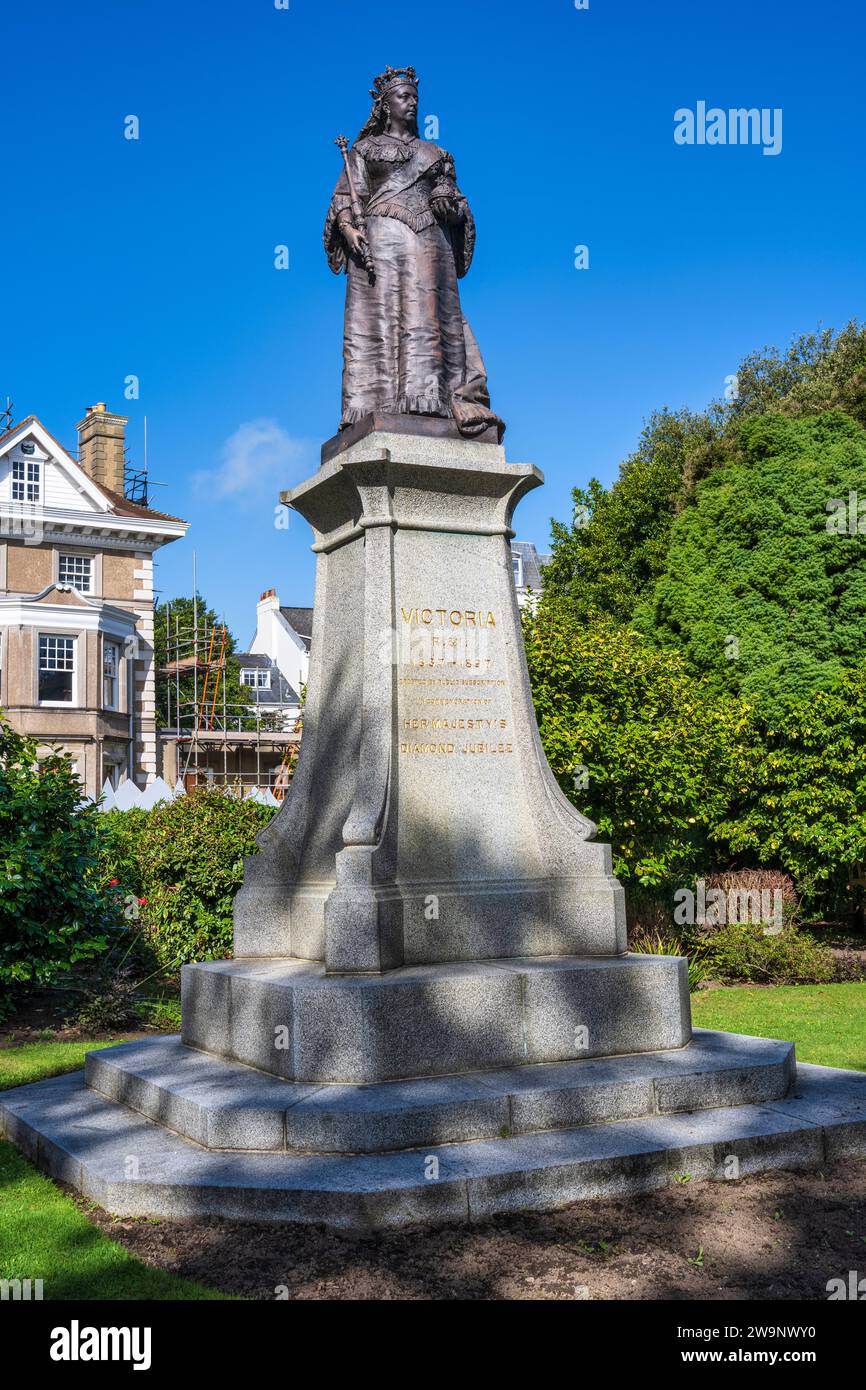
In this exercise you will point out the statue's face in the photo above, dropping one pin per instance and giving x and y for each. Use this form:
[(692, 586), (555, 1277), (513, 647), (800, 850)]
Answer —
[(403, 103)]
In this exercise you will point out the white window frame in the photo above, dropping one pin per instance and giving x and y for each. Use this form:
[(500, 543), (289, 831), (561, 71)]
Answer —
[(27, 485), (112, 772), (110, 645), (261, 677), (85, 562), (72, 638), (517, 569)]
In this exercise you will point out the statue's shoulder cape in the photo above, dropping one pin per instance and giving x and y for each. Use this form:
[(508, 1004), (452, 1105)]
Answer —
[(385, 149), (411, 161)]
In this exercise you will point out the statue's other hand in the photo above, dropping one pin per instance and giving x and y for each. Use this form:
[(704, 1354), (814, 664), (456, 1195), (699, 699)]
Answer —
[(445, 209), (355, 240)]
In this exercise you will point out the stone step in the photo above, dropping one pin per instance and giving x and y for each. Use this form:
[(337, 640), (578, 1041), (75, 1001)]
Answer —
[(290, 1018), (132, 1166), (223, 1105)]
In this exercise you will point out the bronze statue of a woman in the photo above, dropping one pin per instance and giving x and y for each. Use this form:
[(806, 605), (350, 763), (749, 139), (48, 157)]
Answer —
[(403, 232)]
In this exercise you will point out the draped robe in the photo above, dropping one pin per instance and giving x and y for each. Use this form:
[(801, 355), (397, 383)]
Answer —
[(407, 349)]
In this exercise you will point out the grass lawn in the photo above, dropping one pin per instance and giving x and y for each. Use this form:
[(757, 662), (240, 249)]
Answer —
[(827, 1022), (34, 1061), (43, 1235)]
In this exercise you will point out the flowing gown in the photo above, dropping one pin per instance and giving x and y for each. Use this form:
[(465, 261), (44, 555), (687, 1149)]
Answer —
[(407, 348)]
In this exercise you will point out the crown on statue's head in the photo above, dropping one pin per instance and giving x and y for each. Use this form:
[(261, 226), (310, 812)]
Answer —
[(392, 77)]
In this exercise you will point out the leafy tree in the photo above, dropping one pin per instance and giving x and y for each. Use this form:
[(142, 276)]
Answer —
[(683, 781), (617, 542), (53, 914), (757, 594), (804, 802), (819, 371), (616, 545), (698, 619), (657, 751)]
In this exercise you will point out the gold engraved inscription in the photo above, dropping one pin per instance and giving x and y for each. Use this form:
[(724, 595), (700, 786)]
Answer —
[(445, 617), (469, 724), (450, 748), (456, 646)]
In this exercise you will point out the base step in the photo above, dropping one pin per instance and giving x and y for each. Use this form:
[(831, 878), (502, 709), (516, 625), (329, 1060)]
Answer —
[(133, 1166), (224, 1105)]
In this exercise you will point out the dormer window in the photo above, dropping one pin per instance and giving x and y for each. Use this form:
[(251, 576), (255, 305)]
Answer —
[(77, 571), (517, 567), (25, 480), (256, 677)]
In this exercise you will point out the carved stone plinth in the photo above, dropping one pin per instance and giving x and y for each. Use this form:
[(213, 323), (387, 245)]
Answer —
[(424, 824)]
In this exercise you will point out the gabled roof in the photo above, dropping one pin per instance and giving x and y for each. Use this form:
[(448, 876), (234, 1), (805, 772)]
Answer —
[(301, 622), (117, 505), (122, 506)]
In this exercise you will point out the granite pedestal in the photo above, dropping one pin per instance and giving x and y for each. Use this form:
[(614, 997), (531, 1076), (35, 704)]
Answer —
[(431, 1014)]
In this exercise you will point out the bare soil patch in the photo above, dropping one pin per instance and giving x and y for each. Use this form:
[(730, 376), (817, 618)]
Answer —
[(779, 1235)]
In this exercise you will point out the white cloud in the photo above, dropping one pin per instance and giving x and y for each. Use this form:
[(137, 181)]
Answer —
[(258, 460)]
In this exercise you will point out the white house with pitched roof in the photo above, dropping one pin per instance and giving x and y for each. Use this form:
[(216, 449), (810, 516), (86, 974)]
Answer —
[(283, 636)]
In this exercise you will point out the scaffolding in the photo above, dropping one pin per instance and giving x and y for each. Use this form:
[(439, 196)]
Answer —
[(232, 745)]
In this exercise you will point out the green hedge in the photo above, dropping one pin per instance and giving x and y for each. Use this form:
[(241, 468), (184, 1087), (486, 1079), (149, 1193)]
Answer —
[(636, 743), (184, 861), (685, 781), (53, 912)]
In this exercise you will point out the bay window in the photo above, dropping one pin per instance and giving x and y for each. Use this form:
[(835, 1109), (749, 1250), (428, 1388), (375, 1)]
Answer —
[(56, 668)]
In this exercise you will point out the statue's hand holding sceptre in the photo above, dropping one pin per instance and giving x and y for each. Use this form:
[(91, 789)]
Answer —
[(355, 240)]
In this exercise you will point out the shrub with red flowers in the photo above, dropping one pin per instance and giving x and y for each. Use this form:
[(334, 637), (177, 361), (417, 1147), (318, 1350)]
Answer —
[(177, 869)]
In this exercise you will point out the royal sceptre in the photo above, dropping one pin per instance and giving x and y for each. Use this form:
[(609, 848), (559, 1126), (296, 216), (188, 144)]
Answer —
[(358, 217)]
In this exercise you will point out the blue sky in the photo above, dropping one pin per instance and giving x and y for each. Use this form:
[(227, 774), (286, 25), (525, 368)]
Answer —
[(155, 257)]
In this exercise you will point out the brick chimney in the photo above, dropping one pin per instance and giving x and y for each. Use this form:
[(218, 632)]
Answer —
[(101, 440)]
